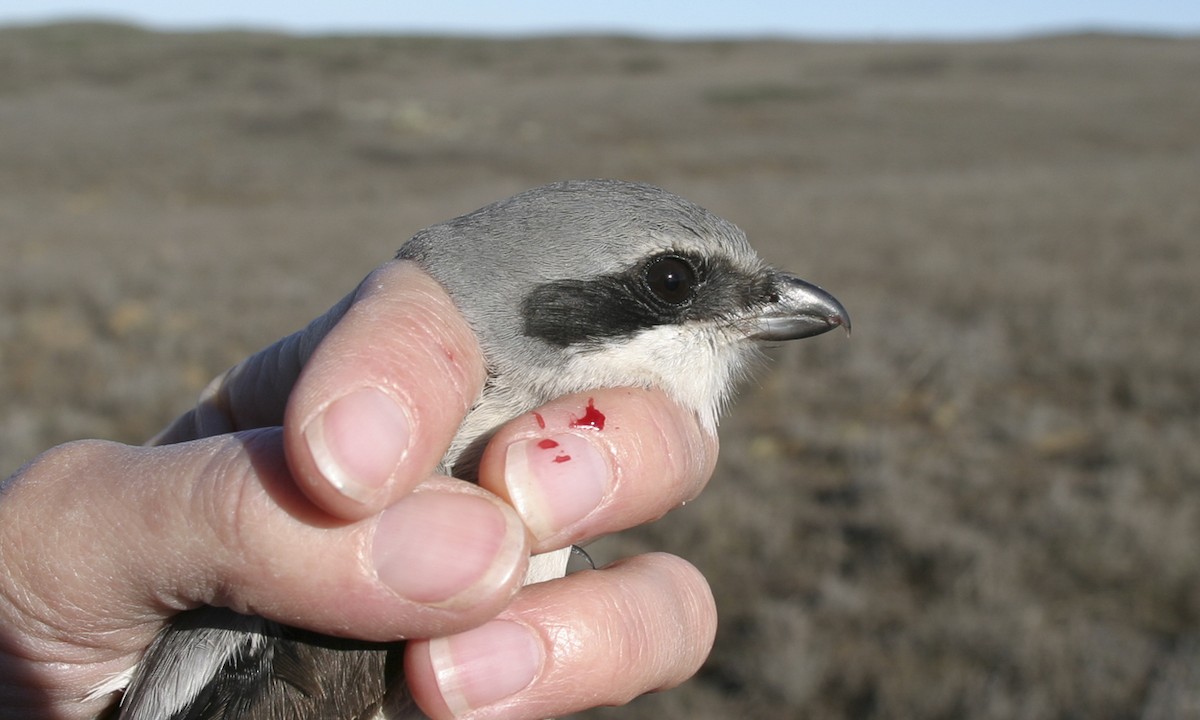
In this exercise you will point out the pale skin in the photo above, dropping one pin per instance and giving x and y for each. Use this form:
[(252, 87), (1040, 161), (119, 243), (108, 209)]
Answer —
[(102, 543)]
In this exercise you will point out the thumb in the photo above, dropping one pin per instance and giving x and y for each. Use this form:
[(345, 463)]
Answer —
[(96, 561)]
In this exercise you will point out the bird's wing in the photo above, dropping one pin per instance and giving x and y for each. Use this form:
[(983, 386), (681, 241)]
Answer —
[(214, 664)]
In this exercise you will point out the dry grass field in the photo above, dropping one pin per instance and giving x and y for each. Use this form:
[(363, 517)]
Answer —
[(986, 504)]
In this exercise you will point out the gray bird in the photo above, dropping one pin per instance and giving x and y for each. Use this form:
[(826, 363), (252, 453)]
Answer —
[(569, 287)]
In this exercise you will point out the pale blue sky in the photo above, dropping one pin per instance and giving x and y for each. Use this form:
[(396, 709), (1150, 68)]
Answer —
[(868, 19)]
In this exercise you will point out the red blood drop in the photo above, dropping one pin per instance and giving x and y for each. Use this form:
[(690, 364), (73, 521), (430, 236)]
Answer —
[(592, 417), (561, 458), (547, 444), (541, 421)]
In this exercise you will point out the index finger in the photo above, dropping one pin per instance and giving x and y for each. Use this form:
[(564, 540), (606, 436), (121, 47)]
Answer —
[(382, 395)]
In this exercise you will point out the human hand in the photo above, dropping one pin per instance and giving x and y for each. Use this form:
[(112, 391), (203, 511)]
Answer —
[(337, 525)]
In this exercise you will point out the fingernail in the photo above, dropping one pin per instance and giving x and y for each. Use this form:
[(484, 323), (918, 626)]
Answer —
[(358, 441), (485, 665), (555, 481), (434, 547)]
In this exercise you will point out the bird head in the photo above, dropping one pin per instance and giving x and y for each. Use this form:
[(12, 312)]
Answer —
[(601, 283)]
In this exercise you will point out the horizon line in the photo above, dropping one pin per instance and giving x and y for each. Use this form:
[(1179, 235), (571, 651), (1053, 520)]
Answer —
[(565, 31)]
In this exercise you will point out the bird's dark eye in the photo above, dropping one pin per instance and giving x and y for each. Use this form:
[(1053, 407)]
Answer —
[(672, 279)]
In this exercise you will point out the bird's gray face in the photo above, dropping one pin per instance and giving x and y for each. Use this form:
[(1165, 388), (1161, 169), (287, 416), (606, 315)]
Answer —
[(588, 284)]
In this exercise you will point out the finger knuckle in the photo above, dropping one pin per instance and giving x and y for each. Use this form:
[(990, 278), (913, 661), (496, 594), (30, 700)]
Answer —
[(63, 460)]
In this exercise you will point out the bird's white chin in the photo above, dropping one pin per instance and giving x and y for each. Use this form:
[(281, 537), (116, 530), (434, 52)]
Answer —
[(697, 364)]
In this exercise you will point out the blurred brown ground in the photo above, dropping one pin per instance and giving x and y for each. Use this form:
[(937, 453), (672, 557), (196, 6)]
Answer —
[(986, 504)]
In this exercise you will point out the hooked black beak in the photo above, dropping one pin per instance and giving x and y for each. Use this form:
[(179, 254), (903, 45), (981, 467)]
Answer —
[(798, 309)]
